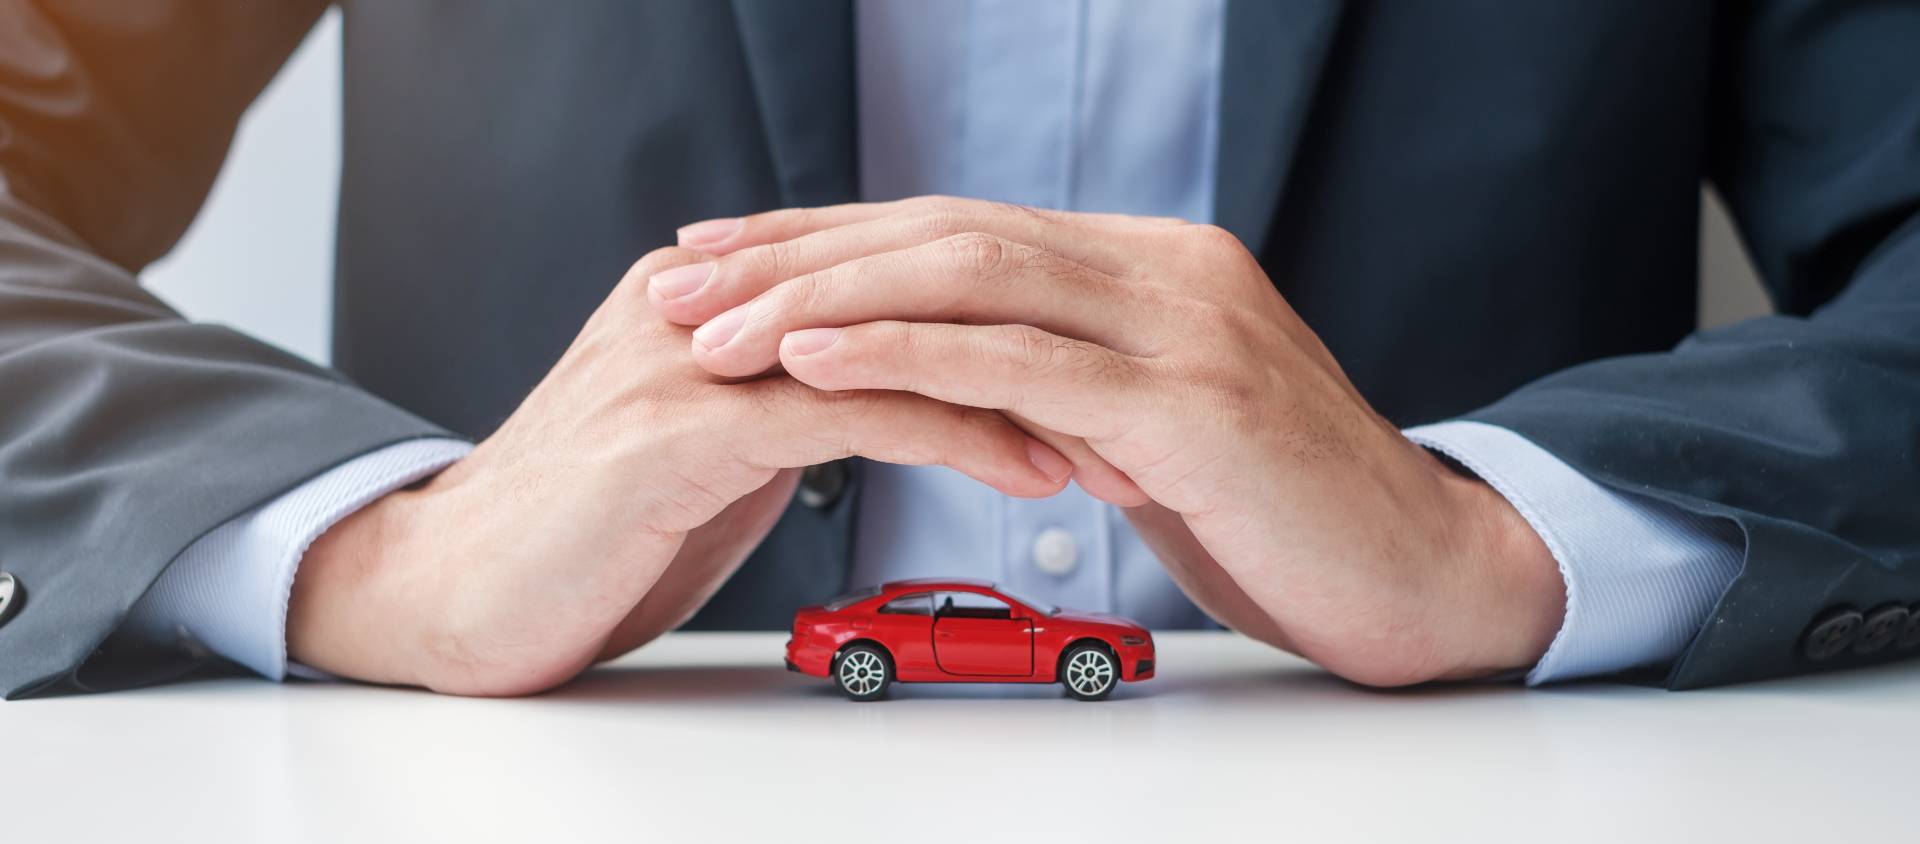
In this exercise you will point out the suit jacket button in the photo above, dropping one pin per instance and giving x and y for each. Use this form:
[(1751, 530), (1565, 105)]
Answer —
[(1881, 628), (822, 485), (11, 595), (1831, 635), (1910, 634)]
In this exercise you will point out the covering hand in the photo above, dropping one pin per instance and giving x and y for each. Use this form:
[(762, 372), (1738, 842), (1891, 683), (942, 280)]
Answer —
[(608, 508), (1159, 357)]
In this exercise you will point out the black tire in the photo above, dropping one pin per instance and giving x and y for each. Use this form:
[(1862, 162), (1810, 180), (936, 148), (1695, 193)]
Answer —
[(863, 672), (1089, 671)]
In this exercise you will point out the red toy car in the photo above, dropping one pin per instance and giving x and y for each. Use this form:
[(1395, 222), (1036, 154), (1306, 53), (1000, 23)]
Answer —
[(963, 631)]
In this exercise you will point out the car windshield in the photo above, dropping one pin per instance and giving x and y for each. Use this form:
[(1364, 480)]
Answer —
[(851, 598), (1041, 607)]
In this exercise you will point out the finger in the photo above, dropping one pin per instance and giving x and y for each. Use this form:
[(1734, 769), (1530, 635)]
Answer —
[(694, 295), (729, 234), (660, 259), (636, 284), (802, 426), (969, 278), (1073, 387), (1091, 471)]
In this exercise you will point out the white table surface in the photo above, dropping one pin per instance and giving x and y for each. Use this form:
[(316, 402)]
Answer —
[(706, 737)]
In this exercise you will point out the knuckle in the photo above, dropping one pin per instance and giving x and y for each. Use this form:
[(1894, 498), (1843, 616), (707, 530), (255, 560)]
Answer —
[(1041, 214), (897, 340), (935, 222), (1216, 245), (937, 202), (1042, 353), (770, 261), (1236, 401), (1031, 348), (633, 285), (1057, 267), (1203, 314), (977, 253), (1212, 242), (1209, 236), (666, 257), (806, 294)]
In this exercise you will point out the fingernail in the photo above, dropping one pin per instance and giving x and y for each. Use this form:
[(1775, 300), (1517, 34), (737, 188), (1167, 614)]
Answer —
[(803, 343), (721, 329), (1048, 461), (680, 281), (708, 231)]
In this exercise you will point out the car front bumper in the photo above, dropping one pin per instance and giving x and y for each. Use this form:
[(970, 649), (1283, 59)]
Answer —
[(1136, 661)]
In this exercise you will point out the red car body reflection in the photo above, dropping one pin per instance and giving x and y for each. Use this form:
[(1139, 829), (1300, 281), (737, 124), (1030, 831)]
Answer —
[(963, 631)]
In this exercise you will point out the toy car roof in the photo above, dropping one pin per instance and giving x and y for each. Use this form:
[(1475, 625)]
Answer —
[(936, 583)]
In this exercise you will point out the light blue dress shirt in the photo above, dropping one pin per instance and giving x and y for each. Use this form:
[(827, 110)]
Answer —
[(1095, 105)]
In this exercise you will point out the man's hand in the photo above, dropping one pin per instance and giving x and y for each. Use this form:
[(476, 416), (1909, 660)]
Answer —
[(1159, 357), (606, 510)]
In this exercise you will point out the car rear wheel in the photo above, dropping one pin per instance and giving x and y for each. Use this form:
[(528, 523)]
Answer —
[(1089, 672), (863, 672)]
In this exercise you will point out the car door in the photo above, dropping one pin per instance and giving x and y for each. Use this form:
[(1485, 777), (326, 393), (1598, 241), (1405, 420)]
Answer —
[(976, 635), (905, 626)]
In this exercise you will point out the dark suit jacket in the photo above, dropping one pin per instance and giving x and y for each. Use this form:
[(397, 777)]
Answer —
[(1485, 209)]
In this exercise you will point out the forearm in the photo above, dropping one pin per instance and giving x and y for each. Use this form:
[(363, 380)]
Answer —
[(228, 592), (128, 433), (1792, 430)]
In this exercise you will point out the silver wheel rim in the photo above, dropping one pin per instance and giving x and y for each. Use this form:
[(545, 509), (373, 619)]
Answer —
[(862, 672), (1090, 672)]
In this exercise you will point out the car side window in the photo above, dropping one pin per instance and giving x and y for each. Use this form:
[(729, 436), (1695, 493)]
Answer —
[(972, 605), (916, 604)]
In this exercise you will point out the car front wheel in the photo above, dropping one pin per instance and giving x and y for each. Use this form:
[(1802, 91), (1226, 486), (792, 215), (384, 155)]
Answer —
[(863, 672), (1089, 672)]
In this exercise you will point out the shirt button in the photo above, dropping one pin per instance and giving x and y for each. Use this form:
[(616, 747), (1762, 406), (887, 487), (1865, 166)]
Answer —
[(821, 486), (1055, 552)]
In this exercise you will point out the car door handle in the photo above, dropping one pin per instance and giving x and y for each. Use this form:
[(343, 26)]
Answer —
[(944, 635)]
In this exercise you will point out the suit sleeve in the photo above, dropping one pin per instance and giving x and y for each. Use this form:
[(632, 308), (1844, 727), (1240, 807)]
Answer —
[(1801, 429), (125, 431)]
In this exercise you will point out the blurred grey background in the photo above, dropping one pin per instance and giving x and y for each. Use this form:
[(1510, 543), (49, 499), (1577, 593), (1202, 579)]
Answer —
[(260, 256)]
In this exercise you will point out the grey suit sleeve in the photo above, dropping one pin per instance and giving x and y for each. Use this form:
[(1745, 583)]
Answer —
[(1802, 429), (125, 431)]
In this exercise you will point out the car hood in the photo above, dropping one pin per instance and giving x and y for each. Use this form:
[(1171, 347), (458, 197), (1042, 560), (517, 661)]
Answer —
[(1079, 617)]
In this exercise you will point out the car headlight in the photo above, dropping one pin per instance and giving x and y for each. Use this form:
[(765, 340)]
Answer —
[(1132, 640)]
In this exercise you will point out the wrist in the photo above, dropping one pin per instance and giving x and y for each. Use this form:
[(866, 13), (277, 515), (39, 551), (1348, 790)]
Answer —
[(1509, 598), (352, 612)]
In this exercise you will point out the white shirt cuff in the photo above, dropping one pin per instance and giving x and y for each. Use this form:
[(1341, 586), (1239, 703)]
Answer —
[(228, 591), (1641, 575)]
